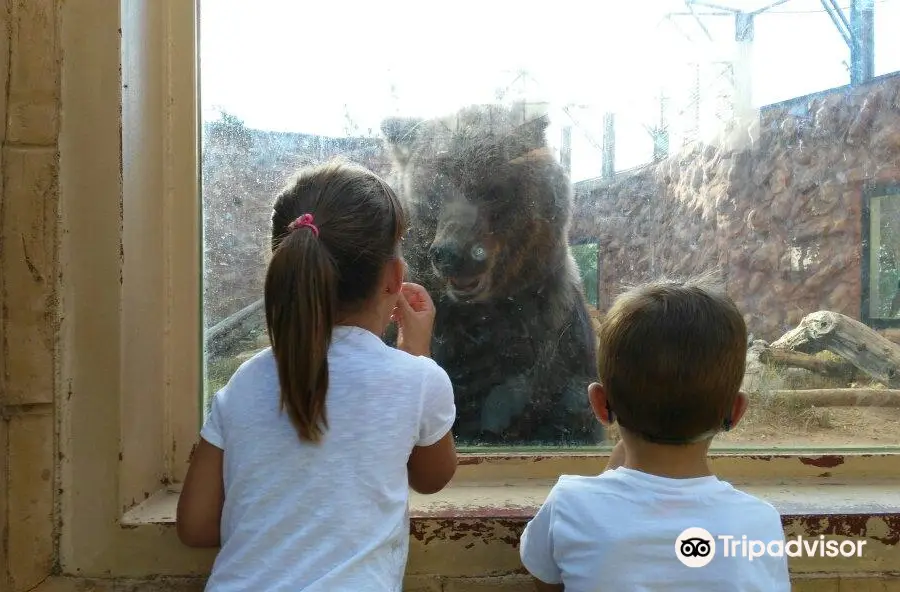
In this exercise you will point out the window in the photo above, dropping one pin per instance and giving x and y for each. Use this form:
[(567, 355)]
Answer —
[(881, 256), (738, 138), (130, 339)]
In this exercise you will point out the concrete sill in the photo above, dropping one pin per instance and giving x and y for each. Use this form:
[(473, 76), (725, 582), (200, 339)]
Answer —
[(852, 495), (843, 508), (511, 486), (479, 518)]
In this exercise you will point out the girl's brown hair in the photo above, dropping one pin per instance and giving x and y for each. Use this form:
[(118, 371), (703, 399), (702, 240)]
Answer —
[(317, 274)]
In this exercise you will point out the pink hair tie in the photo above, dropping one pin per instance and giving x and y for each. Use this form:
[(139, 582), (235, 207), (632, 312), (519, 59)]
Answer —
[(304, 220)]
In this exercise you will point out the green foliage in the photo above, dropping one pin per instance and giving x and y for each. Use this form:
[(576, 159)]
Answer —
[(218, 372), (586, 259), (888, 276)]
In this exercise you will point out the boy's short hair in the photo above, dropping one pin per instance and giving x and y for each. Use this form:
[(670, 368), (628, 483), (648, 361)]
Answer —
[(671, 358)]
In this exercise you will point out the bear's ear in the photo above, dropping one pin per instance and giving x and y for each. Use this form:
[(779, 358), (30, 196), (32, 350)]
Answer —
[(534, 132), (401, 133)]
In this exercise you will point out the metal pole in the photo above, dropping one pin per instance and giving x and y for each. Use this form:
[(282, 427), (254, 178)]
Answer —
[(565, 151), (862, 35), (601, 280), (661, 133), (743, 65), (609, 146)]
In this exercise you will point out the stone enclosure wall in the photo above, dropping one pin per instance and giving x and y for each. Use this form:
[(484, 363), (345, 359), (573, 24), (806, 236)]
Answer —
[(779, 218)]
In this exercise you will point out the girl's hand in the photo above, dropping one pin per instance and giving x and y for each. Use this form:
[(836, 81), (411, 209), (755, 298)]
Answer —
[(414, 315)]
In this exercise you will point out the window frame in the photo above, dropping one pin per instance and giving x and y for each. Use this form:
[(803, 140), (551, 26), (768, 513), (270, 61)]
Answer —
[(131, 327), (870, 191)]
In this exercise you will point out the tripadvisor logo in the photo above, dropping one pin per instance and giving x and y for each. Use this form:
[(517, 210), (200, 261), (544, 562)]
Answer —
[(696, 547)]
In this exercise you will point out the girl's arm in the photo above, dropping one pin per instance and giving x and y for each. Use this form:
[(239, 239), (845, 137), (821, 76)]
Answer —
[(200, 504), (430, 468)]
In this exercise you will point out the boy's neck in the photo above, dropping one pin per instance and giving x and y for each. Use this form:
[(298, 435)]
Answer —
[(675, 462)]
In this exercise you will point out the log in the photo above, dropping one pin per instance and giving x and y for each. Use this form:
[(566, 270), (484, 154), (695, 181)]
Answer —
[(786, 357), (842, 397), (856, 343), (221, 338), (891, 335), (754, 367)]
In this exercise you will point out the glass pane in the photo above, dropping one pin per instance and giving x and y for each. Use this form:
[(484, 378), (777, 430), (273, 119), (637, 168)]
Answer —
[(884, 256), (595, 149)]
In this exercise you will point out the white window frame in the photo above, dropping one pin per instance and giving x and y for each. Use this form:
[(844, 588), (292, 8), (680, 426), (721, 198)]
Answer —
[(131, 278)]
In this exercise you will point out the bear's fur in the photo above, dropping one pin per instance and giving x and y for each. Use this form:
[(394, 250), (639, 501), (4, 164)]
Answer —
[(489, 210)]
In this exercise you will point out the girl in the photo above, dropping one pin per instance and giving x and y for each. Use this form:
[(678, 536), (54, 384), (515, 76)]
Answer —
[(303, 469)]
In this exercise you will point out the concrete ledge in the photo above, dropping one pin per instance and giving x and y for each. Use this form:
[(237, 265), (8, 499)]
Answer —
[(518, 500), (504, 583), (473, 529)]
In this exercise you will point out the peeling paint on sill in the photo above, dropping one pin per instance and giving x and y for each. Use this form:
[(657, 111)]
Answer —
[(486, 531), (884, 528), (823, 462)]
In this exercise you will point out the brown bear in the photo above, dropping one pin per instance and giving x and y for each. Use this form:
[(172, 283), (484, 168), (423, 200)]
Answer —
[(489, 209)]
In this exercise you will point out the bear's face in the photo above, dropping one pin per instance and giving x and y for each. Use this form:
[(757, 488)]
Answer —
[(487, 201)]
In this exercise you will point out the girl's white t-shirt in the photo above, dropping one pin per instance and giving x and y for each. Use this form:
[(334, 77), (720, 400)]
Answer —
[(334, 515)]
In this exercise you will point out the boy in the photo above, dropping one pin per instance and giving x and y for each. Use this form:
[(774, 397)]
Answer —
[(671, 360)]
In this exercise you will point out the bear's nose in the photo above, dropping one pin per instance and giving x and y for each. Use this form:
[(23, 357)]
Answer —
[(446, 257)]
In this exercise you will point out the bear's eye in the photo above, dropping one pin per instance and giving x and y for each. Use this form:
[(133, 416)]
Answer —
[(478, 253)]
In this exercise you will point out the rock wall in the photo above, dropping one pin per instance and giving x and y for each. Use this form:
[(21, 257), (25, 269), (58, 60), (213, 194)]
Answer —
[(779, 218)]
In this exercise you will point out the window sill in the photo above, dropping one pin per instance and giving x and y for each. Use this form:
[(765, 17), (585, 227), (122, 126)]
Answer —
[(493, 497), (844, 506)]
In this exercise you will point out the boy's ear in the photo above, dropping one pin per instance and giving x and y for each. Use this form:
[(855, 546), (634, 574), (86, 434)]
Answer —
[(599, 402), (741, 402)]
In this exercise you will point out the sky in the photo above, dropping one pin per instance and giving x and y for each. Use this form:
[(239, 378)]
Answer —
[(306, 67)]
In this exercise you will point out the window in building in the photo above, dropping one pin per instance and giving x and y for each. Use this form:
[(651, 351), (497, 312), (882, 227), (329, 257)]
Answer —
[(658, 138), (881, 257)]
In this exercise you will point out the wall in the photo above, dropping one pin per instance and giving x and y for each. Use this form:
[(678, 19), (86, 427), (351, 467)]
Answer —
[(780, 217), (30, 67), (31, 348)]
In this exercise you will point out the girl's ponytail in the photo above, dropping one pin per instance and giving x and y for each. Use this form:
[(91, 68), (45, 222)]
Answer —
[(323, 271), (301, 309)]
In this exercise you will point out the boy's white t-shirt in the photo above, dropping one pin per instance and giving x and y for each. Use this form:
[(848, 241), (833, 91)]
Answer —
[(332, 516), (617, 531)]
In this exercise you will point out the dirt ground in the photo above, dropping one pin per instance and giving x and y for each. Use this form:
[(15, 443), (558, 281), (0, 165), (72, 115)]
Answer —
[(785, 426), (772, 423)]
